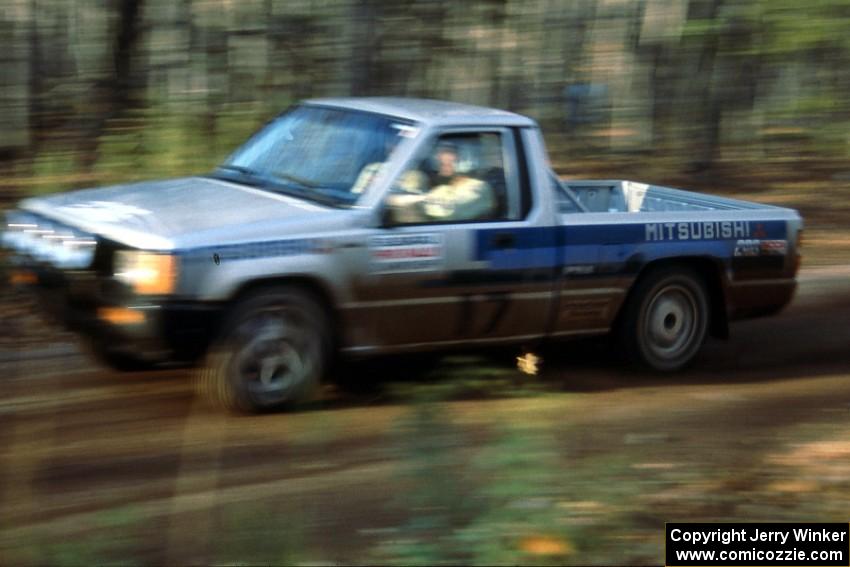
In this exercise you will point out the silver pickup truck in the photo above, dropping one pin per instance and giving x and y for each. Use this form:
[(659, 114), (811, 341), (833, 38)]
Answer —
[(365, 226)]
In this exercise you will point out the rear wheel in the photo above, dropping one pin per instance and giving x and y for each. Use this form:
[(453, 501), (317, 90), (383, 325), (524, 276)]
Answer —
[(666, 319), (272, 352)]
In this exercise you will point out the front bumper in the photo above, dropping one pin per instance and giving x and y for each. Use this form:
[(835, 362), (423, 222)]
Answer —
[(156, 329), (70, 273)]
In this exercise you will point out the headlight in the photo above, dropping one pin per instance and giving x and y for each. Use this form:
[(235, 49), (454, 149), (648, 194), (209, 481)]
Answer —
[(149, 273)]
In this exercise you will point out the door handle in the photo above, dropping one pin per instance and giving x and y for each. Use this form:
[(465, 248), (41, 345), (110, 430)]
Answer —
[(504, 240)]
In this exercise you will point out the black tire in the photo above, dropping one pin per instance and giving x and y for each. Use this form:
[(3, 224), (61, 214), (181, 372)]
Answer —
[(666, 319), (114, 360), (272, 351)]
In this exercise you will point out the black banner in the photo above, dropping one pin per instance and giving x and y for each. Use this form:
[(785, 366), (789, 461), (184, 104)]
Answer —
[(744, 544)]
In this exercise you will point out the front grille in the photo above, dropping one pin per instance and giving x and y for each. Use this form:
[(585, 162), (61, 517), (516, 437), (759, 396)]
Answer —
[(44, 240)]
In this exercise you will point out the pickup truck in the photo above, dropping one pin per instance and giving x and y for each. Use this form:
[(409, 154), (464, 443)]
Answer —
[(364, 226)]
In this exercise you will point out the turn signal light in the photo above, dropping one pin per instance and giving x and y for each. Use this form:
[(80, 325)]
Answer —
[(20, 277), (120, 315)]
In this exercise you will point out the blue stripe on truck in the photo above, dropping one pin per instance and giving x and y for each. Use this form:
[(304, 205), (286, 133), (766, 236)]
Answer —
[(549, 247)]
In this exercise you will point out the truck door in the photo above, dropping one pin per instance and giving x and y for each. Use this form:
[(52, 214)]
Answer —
[(453, 269)]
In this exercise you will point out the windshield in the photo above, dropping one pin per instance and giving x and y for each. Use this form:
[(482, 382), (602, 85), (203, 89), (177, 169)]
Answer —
[(322, 154)]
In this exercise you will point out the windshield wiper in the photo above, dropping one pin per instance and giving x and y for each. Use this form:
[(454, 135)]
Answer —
[(239, 169), (305, 192), (288, 185), (290, 179), (295, 179)]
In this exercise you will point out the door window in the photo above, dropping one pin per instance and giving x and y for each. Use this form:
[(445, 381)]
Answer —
[(461, 177)]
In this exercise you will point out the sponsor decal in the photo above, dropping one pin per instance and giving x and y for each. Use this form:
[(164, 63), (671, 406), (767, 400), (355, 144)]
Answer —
[(579, 270), (322, 246), (755, 247), (256, 250), (710, 230), (405, 253), (747, 248), (584, 308), (774, 247), (405, 130)]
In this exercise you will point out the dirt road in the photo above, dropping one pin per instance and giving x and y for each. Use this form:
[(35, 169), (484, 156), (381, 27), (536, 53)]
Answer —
[(583, 464)]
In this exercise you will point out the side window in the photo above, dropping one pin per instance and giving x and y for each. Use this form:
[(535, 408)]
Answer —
[(461, 177)]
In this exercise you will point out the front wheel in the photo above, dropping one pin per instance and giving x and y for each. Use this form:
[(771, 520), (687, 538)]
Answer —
[(666, 319), (272, 352)]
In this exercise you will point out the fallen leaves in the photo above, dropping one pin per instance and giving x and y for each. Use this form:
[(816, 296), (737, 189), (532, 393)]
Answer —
[(545, 545)]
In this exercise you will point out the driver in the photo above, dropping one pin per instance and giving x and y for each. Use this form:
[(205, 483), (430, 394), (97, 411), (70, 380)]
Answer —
[(453, 196)]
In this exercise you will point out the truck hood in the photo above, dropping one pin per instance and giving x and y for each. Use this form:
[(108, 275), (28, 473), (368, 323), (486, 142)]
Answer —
[(182, 212)]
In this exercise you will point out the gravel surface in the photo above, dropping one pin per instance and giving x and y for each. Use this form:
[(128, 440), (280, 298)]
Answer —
[(24, 328)]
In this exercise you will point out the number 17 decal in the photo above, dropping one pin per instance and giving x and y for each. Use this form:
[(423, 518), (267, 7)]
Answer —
[(471, 307)]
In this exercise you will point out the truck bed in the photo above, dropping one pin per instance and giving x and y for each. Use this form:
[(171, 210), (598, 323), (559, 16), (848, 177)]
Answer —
[(621, 196)]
